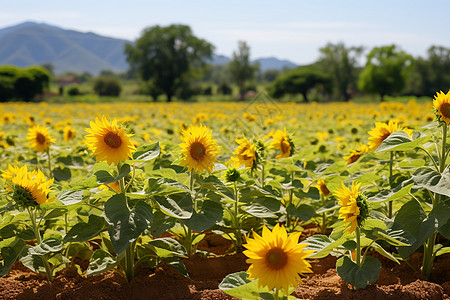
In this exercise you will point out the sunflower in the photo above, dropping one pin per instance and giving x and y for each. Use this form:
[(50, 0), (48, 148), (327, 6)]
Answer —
[(356, 154), (322, 187), (30, 188), (382, 131), (354, 209), (108, 141), (276, 259), (199, 149), (441, 103), (39, 138), (282, 142), (245, 153), (69, 133)]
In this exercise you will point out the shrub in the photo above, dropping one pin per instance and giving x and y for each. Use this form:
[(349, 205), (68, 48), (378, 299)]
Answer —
[(73, 91), (107, 86), (224, 89)]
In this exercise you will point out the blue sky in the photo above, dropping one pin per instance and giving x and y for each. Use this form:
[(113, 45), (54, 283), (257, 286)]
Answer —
[(293, 30)]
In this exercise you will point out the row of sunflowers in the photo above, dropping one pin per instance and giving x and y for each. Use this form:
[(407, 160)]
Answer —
[(147, 183)]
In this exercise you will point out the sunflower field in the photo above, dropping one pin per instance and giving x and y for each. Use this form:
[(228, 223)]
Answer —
[(127, 186)]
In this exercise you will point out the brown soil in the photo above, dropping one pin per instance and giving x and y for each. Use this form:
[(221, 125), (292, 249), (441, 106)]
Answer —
[(395, 281)]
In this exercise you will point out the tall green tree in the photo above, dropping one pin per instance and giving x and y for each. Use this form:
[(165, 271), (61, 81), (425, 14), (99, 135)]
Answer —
[(165, 55), (430, 74), (299, 81), (241, 69), (341, 63), (385, 71)]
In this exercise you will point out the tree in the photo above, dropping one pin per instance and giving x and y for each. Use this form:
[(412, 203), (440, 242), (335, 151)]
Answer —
[(431, 74), (107, 86), (341, 62), (299, 81), (22, 84), (385, 71), (240, 68), (166, 55)]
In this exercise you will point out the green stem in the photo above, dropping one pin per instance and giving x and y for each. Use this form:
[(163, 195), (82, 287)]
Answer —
[(391, 162), (428, 257), (129, 261), (262, 175), (191, 188), (431, 158), (237, 224), (428, 247), (323, 226), (37, 234), (129, 252), (443, 156), (277, 294), (50, 174), (291, 196), (358, 246)]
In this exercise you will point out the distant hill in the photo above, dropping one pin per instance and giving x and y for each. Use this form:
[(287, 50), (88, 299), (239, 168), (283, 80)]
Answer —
[(265, 64), (274, 63), (32, 43)]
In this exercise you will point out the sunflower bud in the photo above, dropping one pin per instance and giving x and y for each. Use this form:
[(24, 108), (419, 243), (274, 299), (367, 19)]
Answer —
[(22, 197), (232, 175), (361, 201)]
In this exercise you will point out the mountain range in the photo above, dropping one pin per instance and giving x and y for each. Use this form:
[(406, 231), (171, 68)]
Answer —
[(32, 43)]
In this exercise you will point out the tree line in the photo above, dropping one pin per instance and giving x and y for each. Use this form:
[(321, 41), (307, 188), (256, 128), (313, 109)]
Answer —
[(170, 59), (172, 62)]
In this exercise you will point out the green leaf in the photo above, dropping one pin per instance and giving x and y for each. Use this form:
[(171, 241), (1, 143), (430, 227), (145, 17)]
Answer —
[(101, 261), (441, 212), (323, 245), (33, 262), (303, 212), (126, 225), (161, 223), (168, 247), (392, 194), (443, 251), (238, 285), (432, 180), (177, 264), (56, 213), (69, 197), (104, 177), (388, 238), (313, 193), (445, 230), (400, 141), (176, 205), (81, 232), (146, 153), (357, 276), (46, 246), (10, 254), (383, 252), (63, 174), (210, 213), (263, 209), (413, 219)]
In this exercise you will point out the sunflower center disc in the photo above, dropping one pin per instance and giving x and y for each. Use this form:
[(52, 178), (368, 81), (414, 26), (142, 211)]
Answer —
[(197, 151), (445, 110), (40, 138), (284, 146), (113, 140), (276, 258)]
